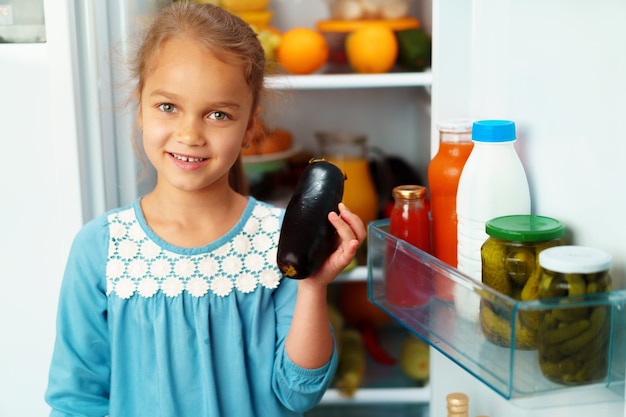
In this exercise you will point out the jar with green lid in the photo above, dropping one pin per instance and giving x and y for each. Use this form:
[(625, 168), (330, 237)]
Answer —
[(574, 333), (510, 265)]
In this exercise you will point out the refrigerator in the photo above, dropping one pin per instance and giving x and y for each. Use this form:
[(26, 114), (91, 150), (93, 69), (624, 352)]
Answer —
[(555, 68)]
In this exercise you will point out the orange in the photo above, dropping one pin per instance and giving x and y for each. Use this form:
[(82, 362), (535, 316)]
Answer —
[(302, 51), (372, 48)]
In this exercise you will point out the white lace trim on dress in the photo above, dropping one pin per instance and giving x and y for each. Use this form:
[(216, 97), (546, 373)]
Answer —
[(138, 265)]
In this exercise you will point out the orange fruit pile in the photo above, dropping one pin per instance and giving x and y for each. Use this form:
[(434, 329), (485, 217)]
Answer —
[(372, 48), (302, 51), (266, 140)]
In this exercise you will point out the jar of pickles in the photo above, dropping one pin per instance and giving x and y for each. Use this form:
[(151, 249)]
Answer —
[(574, 331), (510, 266)]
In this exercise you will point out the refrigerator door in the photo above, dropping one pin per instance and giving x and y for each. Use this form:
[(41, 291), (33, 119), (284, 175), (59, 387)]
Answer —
[(557, 69), (67, 157), (40, 210)]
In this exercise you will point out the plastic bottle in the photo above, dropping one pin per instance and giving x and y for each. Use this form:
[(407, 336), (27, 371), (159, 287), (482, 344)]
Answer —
[(493, 184), (405, 284), (444, 171)]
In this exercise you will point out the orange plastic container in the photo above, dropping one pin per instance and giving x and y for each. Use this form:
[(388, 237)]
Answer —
[(443, 180)]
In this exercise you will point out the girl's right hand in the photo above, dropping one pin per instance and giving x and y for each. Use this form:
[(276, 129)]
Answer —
[(351, 232)]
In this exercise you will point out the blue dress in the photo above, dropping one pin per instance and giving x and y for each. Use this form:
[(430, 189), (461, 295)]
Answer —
[(148, 329)]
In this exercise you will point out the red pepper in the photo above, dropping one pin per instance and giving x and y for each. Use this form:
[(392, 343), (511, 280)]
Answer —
[(373, 346)]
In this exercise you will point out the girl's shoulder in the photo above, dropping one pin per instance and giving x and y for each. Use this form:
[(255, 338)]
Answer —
[(261, 209), (99, 226)]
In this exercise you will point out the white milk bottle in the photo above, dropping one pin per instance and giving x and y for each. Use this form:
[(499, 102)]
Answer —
[(493, 183)]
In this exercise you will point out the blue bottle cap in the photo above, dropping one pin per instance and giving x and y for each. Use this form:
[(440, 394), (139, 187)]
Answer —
[(493, 131)]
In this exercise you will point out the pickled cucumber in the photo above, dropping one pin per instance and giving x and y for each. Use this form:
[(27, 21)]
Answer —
[(498, 330), (576, 284), (530, 318), (595, 348), (531, 287), (570, 314), (567, 332), (494, 267), (521, 264), (596, 322), (551, 286), (573, 342)]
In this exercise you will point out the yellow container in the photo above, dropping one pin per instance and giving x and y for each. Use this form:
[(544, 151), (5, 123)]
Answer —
[(258, 20), (245, 5)]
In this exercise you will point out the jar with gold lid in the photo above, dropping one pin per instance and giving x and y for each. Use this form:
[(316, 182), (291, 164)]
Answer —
[(574, 333), (457, 404), (510, 266), (407, 284)]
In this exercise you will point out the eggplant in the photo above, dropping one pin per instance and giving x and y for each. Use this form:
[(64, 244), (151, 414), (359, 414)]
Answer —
[(307, 237)]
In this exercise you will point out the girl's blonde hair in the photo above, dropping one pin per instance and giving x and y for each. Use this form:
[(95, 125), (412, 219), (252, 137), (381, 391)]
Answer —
[(223, 34)]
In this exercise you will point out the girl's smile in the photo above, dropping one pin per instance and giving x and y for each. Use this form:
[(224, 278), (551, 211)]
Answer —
[(188, 163)]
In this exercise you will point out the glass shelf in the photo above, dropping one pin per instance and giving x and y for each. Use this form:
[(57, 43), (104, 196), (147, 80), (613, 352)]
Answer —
[(349, 80), (456, 330)]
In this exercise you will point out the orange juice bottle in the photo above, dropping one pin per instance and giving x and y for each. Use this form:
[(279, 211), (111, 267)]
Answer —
[(444, 170), (349, 153)]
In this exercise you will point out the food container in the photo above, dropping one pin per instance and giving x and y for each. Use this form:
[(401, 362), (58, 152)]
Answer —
[(368, 9), (510, 265), (574, 341), (259, 20), (512, 373), (336, 31), (244, 5), (405, 286), (349, 151)]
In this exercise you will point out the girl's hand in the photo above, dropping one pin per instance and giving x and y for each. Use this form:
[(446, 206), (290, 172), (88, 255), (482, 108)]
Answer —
[(309, 342), (351, 233)]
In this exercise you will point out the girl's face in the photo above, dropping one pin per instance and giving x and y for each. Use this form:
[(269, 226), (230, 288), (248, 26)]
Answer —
[(195, 112)]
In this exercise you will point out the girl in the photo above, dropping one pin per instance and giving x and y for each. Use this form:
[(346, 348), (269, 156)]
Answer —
[(174, 306)]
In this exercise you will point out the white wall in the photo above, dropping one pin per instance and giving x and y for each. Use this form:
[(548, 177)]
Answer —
[(40, 209)]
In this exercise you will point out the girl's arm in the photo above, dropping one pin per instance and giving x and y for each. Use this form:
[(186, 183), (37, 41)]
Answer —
[(79, 372), (309, 343)]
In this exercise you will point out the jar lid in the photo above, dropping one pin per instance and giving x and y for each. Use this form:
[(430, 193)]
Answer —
[(457, 399), (525, 228), (455, 126), (570, 259), (493, 131), (409, 192)]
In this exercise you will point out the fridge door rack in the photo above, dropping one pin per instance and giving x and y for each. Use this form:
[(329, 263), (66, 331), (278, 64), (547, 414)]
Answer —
[(512, 373)]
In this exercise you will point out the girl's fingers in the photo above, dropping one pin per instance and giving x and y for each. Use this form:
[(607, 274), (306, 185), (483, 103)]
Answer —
[(356, 224)]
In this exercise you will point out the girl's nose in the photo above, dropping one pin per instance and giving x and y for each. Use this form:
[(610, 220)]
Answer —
[(190, 133)]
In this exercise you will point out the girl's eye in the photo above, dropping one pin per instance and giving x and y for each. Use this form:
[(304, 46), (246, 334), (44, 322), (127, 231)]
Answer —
[(167, 107), (218, 115)]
